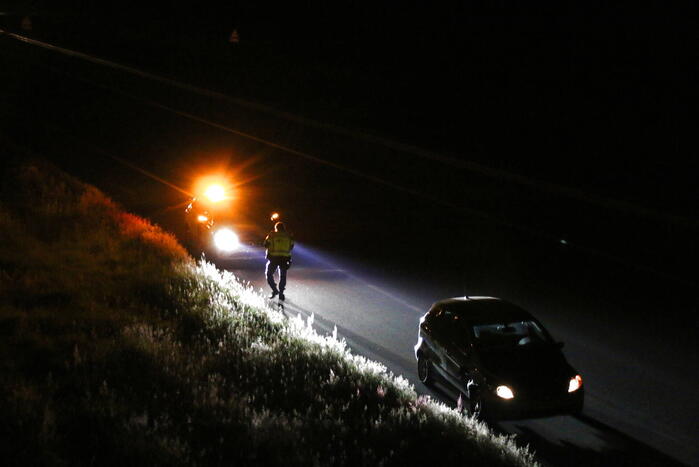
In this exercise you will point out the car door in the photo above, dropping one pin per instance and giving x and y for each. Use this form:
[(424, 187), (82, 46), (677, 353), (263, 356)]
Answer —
[(428, 336), (434, 334), (456, 358)]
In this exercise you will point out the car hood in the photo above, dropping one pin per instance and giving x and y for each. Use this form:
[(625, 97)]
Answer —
[(526, 367)]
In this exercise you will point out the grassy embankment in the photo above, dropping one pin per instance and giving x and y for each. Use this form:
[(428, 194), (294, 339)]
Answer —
[(118, 349)]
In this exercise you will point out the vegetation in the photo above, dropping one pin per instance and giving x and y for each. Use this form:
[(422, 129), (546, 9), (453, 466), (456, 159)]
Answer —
[(118, 349)]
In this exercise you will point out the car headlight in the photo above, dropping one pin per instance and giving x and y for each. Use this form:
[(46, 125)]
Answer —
[(504, 392), (226, 240), (575, 383)]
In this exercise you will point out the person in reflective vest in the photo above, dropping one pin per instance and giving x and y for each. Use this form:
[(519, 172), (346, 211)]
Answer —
[(279, 245)]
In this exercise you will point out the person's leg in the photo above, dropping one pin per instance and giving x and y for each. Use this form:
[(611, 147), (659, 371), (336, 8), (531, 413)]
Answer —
[(282, 277), (283, 267), (269, 272)]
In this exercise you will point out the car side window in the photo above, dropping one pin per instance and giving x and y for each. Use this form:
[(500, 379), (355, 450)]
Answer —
[(439, 322), (431, 317), (433, 320), (456, 329)]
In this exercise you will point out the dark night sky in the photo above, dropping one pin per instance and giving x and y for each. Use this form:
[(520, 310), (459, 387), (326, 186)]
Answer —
[(588, 94)]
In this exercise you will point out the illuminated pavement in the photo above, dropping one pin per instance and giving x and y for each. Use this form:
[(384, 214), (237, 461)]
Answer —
[(379, 318)]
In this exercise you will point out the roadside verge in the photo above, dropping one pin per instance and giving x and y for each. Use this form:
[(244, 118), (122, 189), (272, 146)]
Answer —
[(120, 349)]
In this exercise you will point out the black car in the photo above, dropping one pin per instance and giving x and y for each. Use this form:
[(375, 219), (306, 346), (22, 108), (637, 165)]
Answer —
[(501, 360)]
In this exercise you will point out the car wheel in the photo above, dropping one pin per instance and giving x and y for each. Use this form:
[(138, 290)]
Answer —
[(425, 370)]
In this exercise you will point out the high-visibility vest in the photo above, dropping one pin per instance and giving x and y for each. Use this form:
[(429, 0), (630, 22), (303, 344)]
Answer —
[(279, 244)]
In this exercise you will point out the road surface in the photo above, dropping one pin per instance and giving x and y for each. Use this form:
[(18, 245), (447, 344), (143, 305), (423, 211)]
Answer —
[(378, 317)]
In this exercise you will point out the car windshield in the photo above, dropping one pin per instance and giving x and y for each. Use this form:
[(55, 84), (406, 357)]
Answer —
[(508, 335)]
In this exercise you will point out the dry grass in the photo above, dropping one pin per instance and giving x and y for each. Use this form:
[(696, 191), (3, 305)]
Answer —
[(120, 350)]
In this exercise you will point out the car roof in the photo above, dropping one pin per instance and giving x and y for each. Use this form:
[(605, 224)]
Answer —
[(483, 308)]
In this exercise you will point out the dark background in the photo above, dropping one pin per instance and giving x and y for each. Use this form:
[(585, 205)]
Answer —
[(573, 123), (593, 98)]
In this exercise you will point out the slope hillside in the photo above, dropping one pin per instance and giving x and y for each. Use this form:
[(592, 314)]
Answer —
[(119, 349)]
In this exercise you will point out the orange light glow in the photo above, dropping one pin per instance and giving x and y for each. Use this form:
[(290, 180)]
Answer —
[(214, 190), (215, 193), (275, 216), (202, 218)]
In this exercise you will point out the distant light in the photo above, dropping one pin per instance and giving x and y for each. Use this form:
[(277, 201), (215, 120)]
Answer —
[(226, 240), (575, 383), (275, 216), (215, 193), (504, 392), (563, 241), (202, 218)]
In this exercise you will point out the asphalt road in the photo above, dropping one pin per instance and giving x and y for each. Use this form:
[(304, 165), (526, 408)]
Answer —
[(378, 317), (374, 252)]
